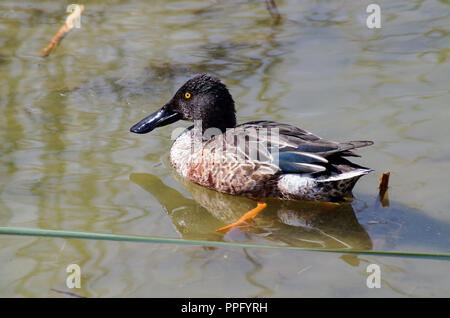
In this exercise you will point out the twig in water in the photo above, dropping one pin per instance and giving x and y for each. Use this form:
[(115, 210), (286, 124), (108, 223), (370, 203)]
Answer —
[(62, 32), (204, 9), (384, 185), (67, 293), (273, 10)]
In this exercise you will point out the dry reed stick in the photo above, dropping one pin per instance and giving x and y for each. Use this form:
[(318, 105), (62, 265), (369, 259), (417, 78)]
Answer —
[(62, 32)]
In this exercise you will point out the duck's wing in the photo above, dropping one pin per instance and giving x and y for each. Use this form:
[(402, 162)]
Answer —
[(292, 137), (295, 150)]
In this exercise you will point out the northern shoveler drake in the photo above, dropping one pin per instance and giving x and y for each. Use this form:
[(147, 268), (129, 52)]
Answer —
[(258, 159)]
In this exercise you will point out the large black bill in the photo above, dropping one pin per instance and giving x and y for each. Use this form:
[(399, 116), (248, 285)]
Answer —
[(159, 118)]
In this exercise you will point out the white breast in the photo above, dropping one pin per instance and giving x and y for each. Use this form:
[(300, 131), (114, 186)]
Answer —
[(181, 152)]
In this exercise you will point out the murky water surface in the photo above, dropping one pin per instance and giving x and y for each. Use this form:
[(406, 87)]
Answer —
[(68, 161)]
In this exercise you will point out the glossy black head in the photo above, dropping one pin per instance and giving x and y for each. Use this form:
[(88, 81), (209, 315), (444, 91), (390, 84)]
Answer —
[(203, 97)]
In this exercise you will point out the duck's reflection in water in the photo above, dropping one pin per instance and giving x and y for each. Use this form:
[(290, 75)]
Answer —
[(294, 223)]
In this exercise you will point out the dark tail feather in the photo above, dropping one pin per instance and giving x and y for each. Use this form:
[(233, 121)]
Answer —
[(355, 144), (349, 153), (345, 147)]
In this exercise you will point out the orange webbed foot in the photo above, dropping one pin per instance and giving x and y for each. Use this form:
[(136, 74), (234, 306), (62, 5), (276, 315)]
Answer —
[(247, 216)]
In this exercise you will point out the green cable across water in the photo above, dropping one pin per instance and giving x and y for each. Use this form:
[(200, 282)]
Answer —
[(160, 240)]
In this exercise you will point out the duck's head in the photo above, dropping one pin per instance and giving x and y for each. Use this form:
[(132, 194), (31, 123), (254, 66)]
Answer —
[(203, 97)]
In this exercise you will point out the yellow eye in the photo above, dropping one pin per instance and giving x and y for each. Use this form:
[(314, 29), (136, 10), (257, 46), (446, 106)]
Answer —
[(187, 95)]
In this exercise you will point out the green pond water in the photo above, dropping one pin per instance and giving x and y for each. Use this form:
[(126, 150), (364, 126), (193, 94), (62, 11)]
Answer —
[(69, 162)]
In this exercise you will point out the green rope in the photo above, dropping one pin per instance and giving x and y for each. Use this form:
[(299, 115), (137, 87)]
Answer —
[(160, 240)]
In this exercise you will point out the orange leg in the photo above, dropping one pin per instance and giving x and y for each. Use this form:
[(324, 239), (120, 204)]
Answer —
[(247, 216), (328, 205)]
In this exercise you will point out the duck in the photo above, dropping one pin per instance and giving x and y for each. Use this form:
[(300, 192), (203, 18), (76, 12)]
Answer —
[(260, 159)]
